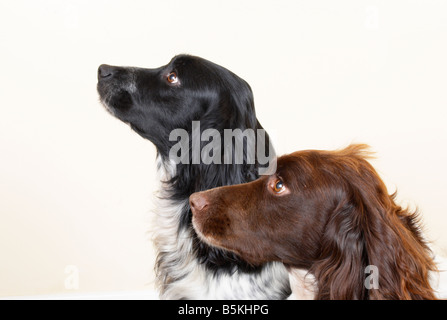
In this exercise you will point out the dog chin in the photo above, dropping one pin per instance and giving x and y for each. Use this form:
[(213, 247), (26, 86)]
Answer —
[(108, 108), (207, 239)]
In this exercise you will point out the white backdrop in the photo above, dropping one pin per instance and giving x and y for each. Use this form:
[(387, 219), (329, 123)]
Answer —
[(76, 184)]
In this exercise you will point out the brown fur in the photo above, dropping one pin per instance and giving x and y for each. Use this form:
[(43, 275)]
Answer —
[(334, 218)]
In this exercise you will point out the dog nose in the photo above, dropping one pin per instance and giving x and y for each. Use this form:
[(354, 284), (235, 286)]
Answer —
[(105, 71), (197, 202)]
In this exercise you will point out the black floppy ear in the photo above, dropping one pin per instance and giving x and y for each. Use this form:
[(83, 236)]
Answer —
[(237, 102), (239, 96)]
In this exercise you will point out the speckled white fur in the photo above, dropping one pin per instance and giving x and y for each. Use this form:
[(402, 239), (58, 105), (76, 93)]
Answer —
[(179, 273)]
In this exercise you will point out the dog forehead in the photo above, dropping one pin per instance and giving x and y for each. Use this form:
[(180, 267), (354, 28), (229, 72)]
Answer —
[(185, 60), (298, 170), (287, 164)]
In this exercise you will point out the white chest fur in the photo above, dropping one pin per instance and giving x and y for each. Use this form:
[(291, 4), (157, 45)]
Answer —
[(180, 274)]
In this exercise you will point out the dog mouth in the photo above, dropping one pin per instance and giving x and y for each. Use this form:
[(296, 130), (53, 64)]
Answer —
[(198, 229), (116, 86), (210, 238), (115, 99), (104, 99), (213, 241), (207, 238)]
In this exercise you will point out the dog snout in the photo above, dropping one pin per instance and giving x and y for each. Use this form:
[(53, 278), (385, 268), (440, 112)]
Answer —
[(198, 202), (105, 72)]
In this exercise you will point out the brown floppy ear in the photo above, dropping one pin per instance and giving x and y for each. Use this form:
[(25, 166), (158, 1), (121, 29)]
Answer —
[(369, 230), (339, 270), (394, 245)]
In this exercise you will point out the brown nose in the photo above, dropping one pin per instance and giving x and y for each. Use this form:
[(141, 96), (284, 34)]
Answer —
[(198, 202)]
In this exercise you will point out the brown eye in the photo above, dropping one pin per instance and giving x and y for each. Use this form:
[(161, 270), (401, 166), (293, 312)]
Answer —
[(172, 77), (278, 186)]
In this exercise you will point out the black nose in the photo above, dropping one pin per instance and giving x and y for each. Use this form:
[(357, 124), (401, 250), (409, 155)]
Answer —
[(105, 71)]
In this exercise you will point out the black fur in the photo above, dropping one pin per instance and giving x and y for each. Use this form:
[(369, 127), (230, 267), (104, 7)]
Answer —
[(207, 93)]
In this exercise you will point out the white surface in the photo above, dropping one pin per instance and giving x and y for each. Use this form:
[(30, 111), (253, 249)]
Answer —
[(120, 295), (76, 184), (439, 281)]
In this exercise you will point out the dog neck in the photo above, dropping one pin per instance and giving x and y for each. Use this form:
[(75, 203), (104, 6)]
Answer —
[(302, 284)]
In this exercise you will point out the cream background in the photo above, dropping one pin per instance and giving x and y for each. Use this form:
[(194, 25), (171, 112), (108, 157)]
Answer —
[(76, 184)]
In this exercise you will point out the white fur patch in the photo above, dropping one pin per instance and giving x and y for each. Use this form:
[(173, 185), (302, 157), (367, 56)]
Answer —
[(302, 284), (180, 275)]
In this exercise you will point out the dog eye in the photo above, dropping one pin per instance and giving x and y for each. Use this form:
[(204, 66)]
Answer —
[(279, 187), (172, 78)]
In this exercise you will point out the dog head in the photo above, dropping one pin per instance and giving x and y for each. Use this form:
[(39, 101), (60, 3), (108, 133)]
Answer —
[(156, 101), (327, 212), (275, 218), (285, 216)]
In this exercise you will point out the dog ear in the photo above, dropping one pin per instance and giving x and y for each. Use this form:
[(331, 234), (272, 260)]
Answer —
[(368, 231), (237, 104), (240, 97), (396, 250), (339, 270)]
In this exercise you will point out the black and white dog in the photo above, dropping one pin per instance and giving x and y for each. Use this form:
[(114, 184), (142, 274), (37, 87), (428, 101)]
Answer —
[(154, 102)]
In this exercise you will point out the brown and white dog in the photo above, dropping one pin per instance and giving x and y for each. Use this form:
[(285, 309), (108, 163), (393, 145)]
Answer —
[(326, 212)]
